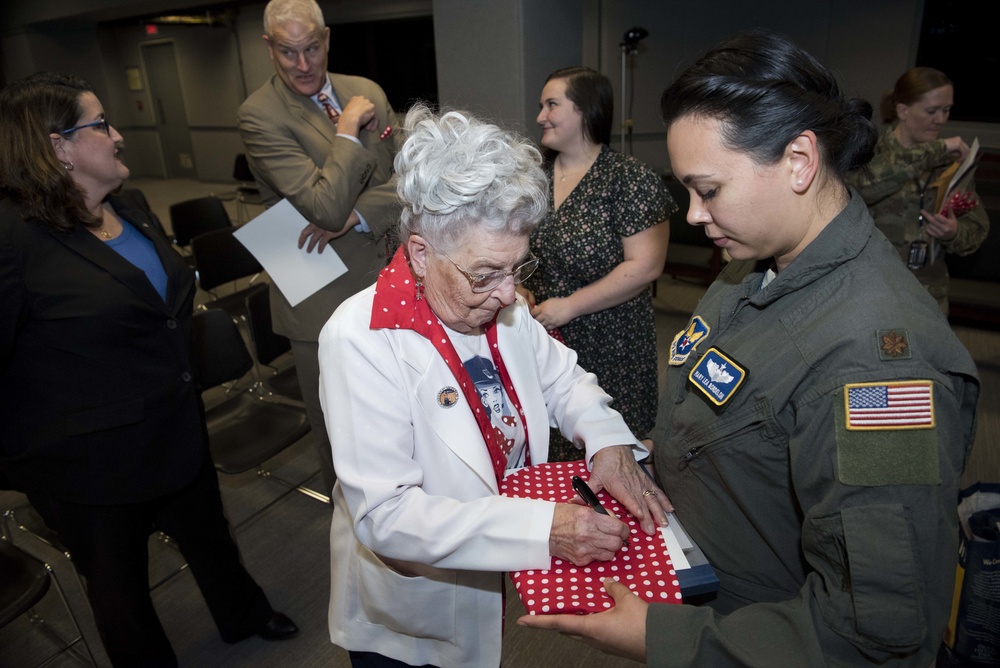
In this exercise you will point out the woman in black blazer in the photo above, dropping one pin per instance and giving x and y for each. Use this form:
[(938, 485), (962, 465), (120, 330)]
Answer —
[(101, 422)]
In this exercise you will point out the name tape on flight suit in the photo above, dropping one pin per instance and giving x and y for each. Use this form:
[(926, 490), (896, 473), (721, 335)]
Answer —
[(718, 376)]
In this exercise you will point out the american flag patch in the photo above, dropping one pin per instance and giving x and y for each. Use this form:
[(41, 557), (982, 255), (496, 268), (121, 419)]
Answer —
[(897, 405)]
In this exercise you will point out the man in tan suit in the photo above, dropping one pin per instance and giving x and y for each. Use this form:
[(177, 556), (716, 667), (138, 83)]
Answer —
[(326, 143)]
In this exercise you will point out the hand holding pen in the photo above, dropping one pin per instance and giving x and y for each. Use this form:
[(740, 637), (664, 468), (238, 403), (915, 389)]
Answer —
[(581, 536), (587, 494)]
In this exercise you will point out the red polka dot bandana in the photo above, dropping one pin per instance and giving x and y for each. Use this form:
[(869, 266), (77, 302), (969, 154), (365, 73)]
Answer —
[(398, 305), (644, 566)]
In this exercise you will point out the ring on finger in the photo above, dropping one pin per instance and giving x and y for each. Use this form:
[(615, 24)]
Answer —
[(648, 492)]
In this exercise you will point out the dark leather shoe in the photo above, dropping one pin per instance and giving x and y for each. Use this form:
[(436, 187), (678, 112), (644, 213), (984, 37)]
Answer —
[(278, 627)]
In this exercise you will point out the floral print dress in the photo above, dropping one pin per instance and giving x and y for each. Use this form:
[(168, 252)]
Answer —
[(580, 243)]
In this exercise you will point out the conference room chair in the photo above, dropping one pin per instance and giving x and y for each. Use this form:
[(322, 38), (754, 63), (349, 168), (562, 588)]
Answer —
[(220, 259), (268, 347), (196, 216), (24, 583), (244, 429), (24, 527)]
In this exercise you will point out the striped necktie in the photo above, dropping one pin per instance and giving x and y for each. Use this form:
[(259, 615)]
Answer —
[(331, 112)]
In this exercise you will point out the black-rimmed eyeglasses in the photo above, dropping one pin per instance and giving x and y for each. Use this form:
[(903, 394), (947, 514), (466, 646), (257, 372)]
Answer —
[(486, 282), (103, 124)]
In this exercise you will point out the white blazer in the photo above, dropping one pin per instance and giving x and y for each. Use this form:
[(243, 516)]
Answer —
[(420, 537)]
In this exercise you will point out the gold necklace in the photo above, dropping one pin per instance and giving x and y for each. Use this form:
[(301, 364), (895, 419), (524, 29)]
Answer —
[(562, 179), (103, 233)]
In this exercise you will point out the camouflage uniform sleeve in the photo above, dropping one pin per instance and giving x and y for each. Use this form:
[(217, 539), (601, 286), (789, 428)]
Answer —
[(972, 229), (893, 168)]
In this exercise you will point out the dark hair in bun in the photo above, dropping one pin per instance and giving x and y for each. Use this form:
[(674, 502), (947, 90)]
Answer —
[(765, 91)]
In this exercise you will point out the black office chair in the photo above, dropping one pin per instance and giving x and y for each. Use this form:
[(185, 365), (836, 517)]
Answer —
[(25, 529), (24, 582), (196, 216), (45, 544), (269, 346), (220, 258), (247, 192), (244, 431)]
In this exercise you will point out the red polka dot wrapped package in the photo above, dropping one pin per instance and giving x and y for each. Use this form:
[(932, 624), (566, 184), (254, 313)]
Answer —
[(644, 566)]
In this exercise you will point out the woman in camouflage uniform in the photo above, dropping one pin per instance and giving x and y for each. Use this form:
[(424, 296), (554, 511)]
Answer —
[(898, 186)]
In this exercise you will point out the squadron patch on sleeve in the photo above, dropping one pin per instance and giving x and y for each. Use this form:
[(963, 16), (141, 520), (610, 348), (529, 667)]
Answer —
[(886, 434), (717, 376), (893, 344), (687, 340)]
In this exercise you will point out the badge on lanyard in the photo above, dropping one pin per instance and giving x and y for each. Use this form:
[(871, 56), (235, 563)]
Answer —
[(718, 376), (687, 340)]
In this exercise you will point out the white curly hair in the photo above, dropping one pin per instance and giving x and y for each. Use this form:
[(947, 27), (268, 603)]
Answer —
[(458, 174)]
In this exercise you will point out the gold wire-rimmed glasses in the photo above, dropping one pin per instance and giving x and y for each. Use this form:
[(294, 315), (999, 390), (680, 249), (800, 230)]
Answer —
[(485, 282)]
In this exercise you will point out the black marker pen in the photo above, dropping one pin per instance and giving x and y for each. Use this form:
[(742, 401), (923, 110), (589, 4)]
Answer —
[(587, 494)]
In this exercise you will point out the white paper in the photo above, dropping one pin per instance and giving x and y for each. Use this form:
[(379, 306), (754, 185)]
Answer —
[(273, 238), (682, 536), (970, 161), (670, 539)]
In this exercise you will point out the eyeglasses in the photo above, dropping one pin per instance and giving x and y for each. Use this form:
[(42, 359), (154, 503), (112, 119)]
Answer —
[(486, 282), (103, 124)]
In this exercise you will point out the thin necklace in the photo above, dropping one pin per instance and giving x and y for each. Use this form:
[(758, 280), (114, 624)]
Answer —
[(105, 234), (562, 179)]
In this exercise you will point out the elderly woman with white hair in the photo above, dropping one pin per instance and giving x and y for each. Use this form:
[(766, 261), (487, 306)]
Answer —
[(420, 534)]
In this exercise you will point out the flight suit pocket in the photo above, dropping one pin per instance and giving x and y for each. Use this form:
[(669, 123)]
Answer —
[(742, 438), (866, 557)]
